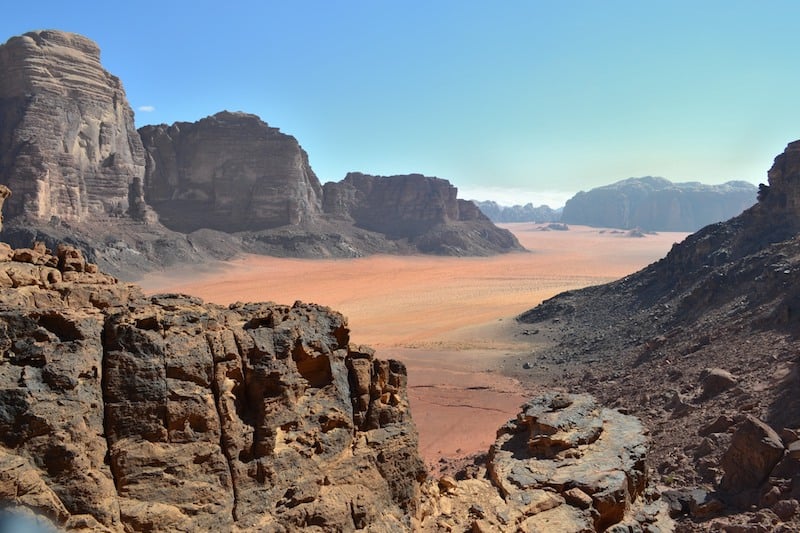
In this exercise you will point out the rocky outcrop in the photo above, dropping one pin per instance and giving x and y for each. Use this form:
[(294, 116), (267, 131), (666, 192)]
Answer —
[(657, 204), (564, 464), (120, 412), (229, 172), (518, 213), (68, 145), (422, 209)]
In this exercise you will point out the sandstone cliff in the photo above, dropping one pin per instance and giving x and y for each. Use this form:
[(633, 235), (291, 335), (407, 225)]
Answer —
[(120, 412), (702, 346), (230, 172), (68, 146), (656, 204)]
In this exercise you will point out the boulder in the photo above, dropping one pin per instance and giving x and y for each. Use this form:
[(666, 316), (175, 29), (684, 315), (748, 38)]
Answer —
[(754, 451), (715, 381)]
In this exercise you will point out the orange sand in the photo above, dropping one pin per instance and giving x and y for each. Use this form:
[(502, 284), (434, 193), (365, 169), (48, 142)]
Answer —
[(444, 317)]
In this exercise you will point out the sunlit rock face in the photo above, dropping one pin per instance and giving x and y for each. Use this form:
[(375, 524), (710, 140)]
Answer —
[(68, 145), (120, 412), (229, 172)]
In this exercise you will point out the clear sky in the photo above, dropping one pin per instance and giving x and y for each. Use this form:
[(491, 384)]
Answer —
[(511, 100)]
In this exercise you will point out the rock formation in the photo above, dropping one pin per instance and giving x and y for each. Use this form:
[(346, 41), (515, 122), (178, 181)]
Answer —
[(424, 210), (565, 464), (702, 346), (656, 204), (68, 145), (120, 412), (229, 172)]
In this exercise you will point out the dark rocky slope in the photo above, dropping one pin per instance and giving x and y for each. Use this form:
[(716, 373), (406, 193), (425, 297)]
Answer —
[(226, 184), (702, 345), (657, 204)]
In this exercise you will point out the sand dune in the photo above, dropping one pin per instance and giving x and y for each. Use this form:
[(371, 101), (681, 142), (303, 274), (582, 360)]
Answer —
[(445, 317)]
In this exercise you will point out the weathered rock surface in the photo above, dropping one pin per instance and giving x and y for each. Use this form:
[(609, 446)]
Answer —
[(68, 145), (229, 172), (565, 464), (657, 204), (139, 414)]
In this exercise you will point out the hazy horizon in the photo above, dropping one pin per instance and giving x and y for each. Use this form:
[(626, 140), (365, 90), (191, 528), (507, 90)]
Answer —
[(541, 98)]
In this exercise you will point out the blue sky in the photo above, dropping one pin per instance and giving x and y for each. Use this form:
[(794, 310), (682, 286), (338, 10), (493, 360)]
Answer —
[(511, 100)]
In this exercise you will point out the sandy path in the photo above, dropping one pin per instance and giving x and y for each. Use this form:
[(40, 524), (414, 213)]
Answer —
[(444, 317)]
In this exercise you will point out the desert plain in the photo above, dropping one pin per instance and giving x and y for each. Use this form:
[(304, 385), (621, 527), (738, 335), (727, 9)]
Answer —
[(449, 319)]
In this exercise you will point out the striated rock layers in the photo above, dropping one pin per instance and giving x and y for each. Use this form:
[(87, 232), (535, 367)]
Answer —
[(120, 412), (657, 204), (230, 172), (68, 145)]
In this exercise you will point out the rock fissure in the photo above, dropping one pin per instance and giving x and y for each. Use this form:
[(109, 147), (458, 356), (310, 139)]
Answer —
[(223, 437)]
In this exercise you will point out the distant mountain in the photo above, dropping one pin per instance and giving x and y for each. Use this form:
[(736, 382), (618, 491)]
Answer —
[(657, 204), (518, 213)]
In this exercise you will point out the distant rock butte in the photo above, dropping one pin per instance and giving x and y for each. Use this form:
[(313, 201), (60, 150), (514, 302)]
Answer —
[(68, 145), (225, 184), (657, 204), (422, 209), (230, 172), (518, 213)]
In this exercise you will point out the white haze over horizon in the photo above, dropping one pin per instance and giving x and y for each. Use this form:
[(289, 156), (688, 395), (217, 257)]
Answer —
[(508, 197)]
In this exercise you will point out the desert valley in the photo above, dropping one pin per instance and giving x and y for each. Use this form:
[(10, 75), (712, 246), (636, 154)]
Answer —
[(448, 319), (197, 334)]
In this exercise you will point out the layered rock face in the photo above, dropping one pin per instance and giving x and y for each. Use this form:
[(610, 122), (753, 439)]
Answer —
[(229, 172), (68, 145), (657, 204), (120, 412)]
